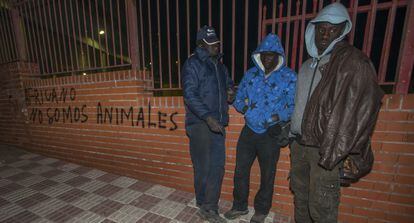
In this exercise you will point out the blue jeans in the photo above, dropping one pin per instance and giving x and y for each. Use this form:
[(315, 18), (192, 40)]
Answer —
[(267, 150), (207, 150)]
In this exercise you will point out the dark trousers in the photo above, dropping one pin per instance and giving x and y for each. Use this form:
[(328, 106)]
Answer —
[(207, 150), (316, 190), (266, 149)]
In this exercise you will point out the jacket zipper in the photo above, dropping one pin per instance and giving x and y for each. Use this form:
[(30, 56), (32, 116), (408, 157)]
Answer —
[(313, 78), (219, 86)]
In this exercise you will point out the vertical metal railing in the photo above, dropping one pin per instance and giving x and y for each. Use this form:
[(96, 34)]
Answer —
[(392, 78), (157, 36)]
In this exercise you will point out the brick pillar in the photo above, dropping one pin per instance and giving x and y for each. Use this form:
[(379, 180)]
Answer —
[(13, 109)]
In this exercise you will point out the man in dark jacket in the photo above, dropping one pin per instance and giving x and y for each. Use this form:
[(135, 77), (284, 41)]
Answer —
[(207, 90), (336, 106)]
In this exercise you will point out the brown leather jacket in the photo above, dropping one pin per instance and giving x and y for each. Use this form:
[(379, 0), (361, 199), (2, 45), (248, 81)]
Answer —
[(342, 111)]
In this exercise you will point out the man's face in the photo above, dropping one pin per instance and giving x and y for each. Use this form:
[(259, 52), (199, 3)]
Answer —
[(269, 60), (326, 33), (213, 49)]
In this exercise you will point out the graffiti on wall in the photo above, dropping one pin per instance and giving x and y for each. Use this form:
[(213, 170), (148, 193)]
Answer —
[(57, 106)]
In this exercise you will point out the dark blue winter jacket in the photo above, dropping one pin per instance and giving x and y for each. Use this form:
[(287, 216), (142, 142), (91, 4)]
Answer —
[(205, 82), (266, 96)]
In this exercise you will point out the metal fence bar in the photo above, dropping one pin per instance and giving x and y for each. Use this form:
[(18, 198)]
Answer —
[(354, 13), (142, 36), (74, 34), (259, 22), (106, 33), (86, 32), (177, 20), (246, 28), (274, 6), (371, 22), (120, 33), (406, 57), (10, 36), (233, 37), (150, 42), (55, 56), (287, 40), (159, 43), (82, 54), (168, 43), (5, 48), (385, 52)]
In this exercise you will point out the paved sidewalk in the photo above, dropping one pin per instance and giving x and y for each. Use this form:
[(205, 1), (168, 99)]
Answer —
[(34, 188)]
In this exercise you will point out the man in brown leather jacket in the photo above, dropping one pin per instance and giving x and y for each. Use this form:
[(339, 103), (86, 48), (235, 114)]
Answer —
[(336, 106)]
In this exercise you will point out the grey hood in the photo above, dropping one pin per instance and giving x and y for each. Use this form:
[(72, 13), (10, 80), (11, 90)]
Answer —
[(334, 13)]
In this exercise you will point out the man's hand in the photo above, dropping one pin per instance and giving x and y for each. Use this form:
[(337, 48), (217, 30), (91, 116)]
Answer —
[(231, 95), (214, 125), (275, 118)]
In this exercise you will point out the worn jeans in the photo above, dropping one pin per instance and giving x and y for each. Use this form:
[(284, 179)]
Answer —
[(207, 150), (316, 190), (266, 149)]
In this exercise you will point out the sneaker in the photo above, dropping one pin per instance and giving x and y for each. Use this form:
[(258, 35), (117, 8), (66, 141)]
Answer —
[(211, 216), (258, 218), (234, 213)]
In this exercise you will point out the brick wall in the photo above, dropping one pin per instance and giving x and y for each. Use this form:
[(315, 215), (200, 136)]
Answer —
[(110, 121)]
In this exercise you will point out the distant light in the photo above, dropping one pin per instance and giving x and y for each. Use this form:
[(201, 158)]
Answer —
[(101, 32), (176, 61), (84, 74), (150, 63)]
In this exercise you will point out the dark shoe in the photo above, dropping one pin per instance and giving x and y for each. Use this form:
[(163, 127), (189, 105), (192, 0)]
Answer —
[(211, 216), (258, 218), (234, 213)]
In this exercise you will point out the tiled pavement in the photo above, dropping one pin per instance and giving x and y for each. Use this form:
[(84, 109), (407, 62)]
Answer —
[(38, 189)]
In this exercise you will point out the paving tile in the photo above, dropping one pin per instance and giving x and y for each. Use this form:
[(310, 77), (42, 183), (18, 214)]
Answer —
[(47, 161), (9, 211), (141, 186), (88, 201), (78, 181), (46, 207), (3, 202), (42, 220), (30, 166), (40, 169), (32, 200), (68, 167), (125, 196), (89, 217), (19, 194), (108, 177), (145, 202), (107, 190), (8, 172), (64, 214), (5, 182), (37, 158), (160, 191), (20, 176), (93, 174), (51, 173), (9, 188), (58, 163), (63, 177), (25, 216), (43, 185), (151, 217), (56, 190), (124, 182), (127, 214), (189, 215), (20, 163), (72, 195), (81, 170), (28, 156), (106, 208), (92, 186), (181, 197), (29, 181), (167, 208)]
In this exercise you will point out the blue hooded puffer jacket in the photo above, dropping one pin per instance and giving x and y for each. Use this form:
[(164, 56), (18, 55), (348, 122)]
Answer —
[(266, 96), (205, 82)]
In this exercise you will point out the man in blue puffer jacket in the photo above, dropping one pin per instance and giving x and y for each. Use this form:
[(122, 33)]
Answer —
[(207, 90), (266, 98)]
